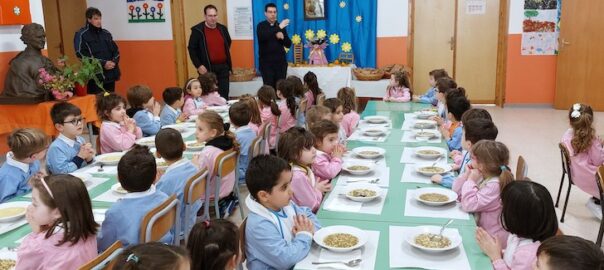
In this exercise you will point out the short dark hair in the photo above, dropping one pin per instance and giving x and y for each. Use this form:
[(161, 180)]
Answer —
[(293, 141), (106, 103), (333, 104), (263, 173), (212, 244), (269, 5), (528, 210), (205, 9), (137, 169), (138, 95), (480, 129), (240, 114), (571, 252), (208, 83), (62, 110), (474, 113), (444, 84), (457, 105), (438, 73), (169, 144), (322, 128), (171, 95), (152, 255), (91, 11)]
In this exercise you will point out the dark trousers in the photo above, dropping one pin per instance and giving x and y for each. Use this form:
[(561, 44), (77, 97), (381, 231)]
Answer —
[(222, 74), (273, 72), (94, 89)]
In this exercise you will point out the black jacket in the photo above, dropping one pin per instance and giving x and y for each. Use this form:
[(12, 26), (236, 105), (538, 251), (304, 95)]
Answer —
[(271, 49), (198, 50), (98, 43)]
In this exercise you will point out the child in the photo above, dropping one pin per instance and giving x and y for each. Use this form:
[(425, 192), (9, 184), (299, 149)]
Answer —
[(170, 146), (311, 83), (430, 96), (586, 153), (147, 110), (398, 89), (472, 113), (62, 224), (153, 255), (69, 151), (118, 131), (28, 146), (480, 186), (299, 94), (457, 105), (255, 121), (136, 173), (317, 113), (194, 105), (296, 146), (214, 245), (287, 105), (337, 114), (269, 111), (349, 103), (565, 252), (328, 162), (277, 233), (443, 86), (209, 90), (240, 114), (528, 215), (173, 101)]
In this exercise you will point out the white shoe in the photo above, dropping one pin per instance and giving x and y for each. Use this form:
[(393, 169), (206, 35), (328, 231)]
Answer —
[(595, 209)]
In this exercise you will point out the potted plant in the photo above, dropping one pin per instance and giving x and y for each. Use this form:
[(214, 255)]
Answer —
[(88, 69)]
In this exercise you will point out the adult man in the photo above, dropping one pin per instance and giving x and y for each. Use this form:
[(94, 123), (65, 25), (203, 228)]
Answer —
[(209, 49), (272, 38), (94, 41)]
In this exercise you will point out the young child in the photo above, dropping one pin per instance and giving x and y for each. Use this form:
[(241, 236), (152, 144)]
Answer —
[(173, 101), (240, 115), (69, 151), (287, 105), (118, 131), (430, 96), (317, 113), (214, 245), (153, 255), (299, 94), (170, 146), (528, 215), (472, 113), (296, 146), (269, 111), (28, 146), (209, 90), (457, 105), (313, 90), (136, 173), (255, 121), (62, 224), (194, 105), (566, 252), (479, 187), (586, 153), (337, 115), (443, 86), (277, 233), (399, 88), (328, 162), (147, 110), (349, 103)]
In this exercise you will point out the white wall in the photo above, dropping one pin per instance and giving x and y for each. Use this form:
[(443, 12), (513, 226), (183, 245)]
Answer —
[(10, 34), (516, 9), (393, 18)]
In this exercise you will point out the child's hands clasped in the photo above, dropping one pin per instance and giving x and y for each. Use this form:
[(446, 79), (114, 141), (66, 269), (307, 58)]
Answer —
[(183, 117), (489, 244), (323, 186), (303, 224), (475, 175), (439, 120), (338, 151), (437, 178), (156, 109), (130, 124)]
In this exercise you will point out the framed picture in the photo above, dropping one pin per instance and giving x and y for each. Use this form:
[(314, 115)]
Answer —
[(314, 9)]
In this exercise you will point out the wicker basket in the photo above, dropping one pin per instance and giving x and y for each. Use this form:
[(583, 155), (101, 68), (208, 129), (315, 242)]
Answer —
[(368, 74), (242, 74), (388, 70)]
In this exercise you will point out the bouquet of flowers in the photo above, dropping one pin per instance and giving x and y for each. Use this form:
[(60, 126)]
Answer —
[(62, 82), (59, 84)]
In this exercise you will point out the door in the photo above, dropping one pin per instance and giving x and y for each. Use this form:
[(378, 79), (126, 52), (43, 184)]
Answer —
[(62, 19), (579, 66)]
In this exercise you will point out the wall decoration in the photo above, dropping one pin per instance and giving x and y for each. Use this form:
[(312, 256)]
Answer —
[(146, 11), (540, 27), (314, 9)]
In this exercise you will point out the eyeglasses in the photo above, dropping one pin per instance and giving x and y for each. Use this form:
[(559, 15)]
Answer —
[(75, 121)]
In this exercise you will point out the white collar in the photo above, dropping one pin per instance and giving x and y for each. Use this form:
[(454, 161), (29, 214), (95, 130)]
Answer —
[(111, 123), (259, 209), (68, 141), (134, 195), (175, 111), (514, 242), (177, 164), (319, 152), (10, 160), (242, 128)]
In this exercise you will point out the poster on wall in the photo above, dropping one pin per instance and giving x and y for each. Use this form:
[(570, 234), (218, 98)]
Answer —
[(540, 27), (146, 11)]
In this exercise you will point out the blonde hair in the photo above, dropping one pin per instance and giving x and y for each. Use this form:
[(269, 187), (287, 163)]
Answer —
[(214, 121), (250, 101), (24, 142), (583, 131), (315, 114), (349, 99), (495, 157)]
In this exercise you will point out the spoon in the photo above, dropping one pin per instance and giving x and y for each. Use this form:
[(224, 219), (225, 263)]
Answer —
[(100, 168), (351, 263), (440, 235), (372, 181), (437, 160)]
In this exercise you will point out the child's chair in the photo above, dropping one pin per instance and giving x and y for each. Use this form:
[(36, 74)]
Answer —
[(564, 154), (194, 189), (600, 176), (320, 99), (277, 134), (160, 220), (521, 169), (105, 260), (225, 164), (302, 107), (255, 148), (266, 134)]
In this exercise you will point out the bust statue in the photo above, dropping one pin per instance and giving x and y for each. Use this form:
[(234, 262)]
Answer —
[(21, 81)]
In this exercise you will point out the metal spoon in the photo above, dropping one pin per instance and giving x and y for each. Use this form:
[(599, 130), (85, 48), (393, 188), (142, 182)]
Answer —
[(100, 168), (442, 229), (351, 263), (437, 160), (372, 181)]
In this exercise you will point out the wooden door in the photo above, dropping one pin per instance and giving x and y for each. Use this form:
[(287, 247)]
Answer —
[(433, 32), (62, 19), (580, 60)]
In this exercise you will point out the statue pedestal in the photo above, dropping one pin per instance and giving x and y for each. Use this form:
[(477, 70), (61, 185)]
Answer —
[(23, 100)]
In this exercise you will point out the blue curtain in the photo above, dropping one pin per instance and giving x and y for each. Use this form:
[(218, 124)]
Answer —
[(354, 21)]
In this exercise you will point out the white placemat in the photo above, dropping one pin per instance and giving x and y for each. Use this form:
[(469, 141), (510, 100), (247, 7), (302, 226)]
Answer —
[(381, 172), (339, 203), (9, 226), (408, 136), (95, 169), (410, 175), (365, 123), (404, 255), (358, 135), (350, 156), (109, 196), (413, 208), (367, 253), (409, 156), (409, 123)]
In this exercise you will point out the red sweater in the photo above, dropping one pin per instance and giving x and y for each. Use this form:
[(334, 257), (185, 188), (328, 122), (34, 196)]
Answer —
[(215, 44)]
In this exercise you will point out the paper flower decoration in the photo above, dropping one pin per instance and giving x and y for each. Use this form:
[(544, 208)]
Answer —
[(321, 34), (309, 34), (296, 39), (286, 6), (342, 4), (346, 47), (286, 49), (334, 38), (359, 18)]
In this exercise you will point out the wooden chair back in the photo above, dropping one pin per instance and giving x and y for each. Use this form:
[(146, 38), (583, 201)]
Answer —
[(303, 105), (105, 260), (266, 135), (255, 148), (160, 220), (521, 169), (320, 99), (195, 188)]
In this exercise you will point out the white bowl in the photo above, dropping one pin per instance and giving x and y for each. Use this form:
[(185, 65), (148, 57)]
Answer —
[(194, 145), (445, 168), (372, 187), (376, 119), (161, 163), (109, 159), (320, 235), (11, 211), (419, 152), (424, 124), (219, 109), (366, 152), (85, 177), (347, 165), (374, 131), (425, 134), (178, 127), (451, 195), (117, 188), (147, 141), (452, 234), (425, 114)]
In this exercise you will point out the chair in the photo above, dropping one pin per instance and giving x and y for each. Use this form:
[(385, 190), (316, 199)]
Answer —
[(255, 148), (105, 260), (600, 177), (320, 99), (565, 156), (194, 189), (225, 164), (160, 220), (266, 135), (302, 107), (277, 134), (521, 169)]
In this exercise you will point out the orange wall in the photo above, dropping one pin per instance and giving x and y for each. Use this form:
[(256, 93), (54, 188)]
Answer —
[(242, 53), (391, 50)]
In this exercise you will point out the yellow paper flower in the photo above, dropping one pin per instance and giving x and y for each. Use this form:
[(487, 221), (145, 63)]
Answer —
[(346, 47), (286, 49), (334, 38), (359, 18), (309, 34), (286, 6), (296, 39), (342, 4), (321, 33)]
